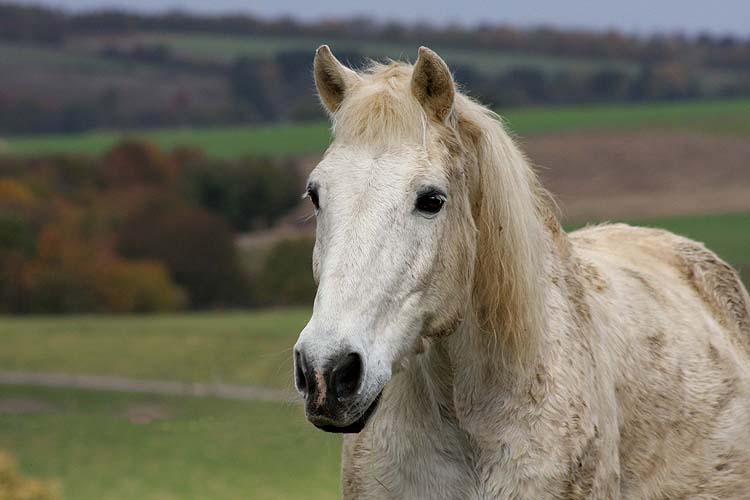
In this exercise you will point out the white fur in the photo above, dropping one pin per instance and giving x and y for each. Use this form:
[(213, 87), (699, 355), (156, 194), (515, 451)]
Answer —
[(518, 362)]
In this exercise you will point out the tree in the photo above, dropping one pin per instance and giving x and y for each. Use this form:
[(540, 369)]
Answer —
[(251, 193), (257, 82), (137, 163), (196, 247), (609, 85), (285, 277)]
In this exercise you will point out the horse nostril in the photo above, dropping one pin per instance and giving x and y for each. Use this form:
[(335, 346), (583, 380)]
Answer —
[(299, 372), (347, 375)]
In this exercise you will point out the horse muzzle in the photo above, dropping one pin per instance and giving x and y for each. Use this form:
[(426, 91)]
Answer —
[(334, 400)]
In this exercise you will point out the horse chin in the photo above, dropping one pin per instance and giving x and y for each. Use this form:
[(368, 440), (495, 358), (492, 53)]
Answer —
[(359, 424)]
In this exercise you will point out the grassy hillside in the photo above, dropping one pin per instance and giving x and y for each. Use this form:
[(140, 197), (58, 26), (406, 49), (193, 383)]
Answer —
[(252, 348), (121, 446), (489, 62), (718, 117), (731, 117), (52, 86)]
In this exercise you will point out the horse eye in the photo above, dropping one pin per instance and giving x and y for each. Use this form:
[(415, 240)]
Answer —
[(312, 193), (430, 202)]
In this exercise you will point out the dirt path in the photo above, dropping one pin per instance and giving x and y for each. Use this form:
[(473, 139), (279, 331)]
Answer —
[(167, 387)]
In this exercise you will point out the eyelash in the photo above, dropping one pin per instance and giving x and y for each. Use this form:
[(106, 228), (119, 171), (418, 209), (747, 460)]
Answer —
[(312, 193)]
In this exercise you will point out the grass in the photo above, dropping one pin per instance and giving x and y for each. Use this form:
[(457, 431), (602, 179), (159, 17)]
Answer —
[(731, 117), (251, 348), (226, 142), (203, 449)]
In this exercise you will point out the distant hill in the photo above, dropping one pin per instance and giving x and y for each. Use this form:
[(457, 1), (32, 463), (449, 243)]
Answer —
[(63, 72)]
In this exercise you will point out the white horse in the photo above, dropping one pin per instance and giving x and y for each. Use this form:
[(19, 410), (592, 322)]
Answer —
[(472, 349)]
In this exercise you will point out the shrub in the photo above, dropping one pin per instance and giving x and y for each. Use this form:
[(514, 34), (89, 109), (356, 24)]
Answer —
[(285, 278), (73, 273), (53, 290), (14, 283), (196, 247), (249, 193), (14, 486), (16, 233), (13, 193), (135, 286), (137, 163), (108, 284)]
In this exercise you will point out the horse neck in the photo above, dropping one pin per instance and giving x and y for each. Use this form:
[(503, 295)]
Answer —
[(522, 250), (461, 369), (519, 241), (520, 246)]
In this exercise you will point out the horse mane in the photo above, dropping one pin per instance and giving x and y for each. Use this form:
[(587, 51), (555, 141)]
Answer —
[(512, 218), (513, 213)]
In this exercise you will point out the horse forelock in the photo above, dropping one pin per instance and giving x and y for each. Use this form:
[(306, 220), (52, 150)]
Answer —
[(379, 109)]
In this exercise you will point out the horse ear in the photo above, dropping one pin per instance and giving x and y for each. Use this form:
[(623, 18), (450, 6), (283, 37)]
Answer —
[(332, 78), (432, 84)]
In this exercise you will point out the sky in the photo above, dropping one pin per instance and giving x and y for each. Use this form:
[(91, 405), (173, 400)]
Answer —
[(632, 16)]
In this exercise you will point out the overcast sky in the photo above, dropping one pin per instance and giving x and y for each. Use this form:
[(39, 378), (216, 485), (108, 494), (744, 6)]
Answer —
[(634, 16)]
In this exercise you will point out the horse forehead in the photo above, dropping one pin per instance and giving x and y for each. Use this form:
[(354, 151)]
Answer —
[(360, 168)]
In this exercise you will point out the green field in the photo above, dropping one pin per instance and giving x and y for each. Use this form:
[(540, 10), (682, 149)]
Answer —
[(251, 348), (731, 117), (197, 449)]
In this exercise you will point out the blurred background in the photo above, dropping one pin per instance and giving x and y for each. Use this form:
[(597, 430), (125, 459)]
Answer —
[(155, 250)]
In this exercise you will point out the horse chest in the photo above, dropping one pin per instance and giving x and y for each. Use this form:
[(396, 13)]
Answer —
[(415, 464), (416, 468), (433, 459), (503, 448)]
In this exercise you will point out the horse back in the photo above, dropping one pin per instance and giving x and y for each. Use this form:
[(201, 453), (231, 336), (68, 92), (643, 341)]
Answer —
[(716, 283), (673, 319)]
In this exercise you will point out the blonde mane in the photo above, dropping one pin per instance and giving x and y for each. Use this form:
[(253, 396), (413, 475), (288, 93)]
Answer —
[(511, 209)]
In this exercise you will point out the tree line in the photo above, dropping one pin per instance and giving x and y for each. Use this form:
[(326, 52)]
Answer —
[(33, 23), (279, 88), (277, 85), (140, 230)]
